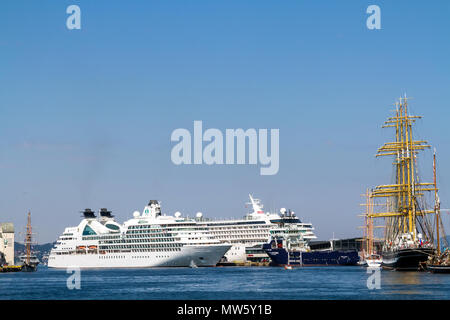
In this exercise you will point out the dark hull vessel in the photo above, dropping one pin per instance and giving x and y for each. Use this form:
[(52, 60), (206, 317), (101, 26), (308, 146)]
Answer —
[(440, 263), (29, 264), (29, 268), (406, 259), (281, 256), (29, 261), (436, 268)]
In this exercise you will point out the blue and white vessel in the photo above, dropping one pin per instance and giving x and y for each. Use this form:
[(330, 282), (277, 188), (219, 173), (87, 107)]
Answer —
[(287, 247), (253, 230)]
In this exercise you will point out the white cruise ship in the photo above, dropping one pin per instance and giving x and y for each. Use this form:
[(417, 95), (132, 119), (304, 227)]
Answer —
[(253, 230), (149, 239)]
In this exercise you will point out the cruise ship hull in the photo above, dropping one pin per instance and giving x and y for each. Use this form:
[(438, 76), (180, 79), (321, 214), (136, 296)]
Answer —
[(405, 259), (281, 256), (190, 255)]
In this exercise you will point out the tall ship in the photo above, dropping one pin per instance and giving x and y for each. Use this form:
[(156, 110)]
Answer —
[(149, 239), (440, 262), (370, 253), (405, 205), (29, 261), (253, 230)]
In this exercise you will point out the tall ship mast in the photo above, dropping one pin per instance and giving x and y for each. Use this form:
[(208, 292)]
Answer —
[(440, 262), (409, 232), (28, 239), (370, 249), (368, 234)]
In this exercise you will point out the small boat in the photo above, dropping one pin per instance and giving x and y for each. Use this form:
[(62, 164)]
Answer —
[(29, 261), (438, 268), (192, 264), (362, 263), (92, 249), (439, 263), (370, 258), (374, 261)]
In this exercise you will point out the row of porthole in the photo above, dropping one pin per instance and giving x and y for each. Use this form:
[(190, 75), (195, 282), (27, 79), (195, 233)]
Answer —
[(146, 257), (165, 247)]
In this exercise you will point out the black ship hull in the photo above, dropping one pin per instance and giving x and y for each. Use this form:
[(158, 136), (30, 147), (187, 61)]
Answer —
[(435, 268), (406, 259), (29, 267), (281, 256)]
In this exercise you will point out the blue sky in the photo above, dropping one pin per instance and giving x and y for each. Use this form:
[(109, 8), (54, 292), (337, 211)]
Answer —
[(86, 115)]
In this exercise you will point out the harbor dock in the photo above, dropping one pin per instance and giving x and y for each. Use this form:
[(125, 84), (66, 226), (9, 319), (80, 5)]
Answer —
[(10, 269)]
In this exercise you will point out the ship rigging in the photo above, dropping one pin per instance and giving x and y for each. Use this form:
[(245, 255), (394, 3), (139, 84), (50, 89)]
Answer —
[(409, 235)]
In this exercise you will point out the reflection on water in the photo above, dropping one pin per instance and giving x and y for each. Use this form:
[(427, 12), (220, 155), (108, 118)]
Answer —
[(409, 283), (402, 278), (237, 283)]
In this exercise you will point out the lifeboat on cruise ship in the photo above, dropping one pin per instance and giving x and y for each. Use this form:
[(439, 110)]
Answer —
[(92, 249), (81, 249)]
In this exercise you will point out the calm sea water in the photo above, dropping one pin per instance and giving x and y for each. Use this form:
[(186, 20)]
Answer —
[(225, 283)]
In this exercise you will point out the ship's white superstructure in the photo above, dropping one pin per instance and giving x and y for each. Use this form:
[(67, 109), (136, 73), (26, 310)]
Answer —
[(254, 229), (149, 239)]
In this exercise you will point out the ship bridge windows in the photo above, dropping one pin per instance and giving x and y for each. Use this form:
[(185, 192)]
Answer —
[(290, 220), (88, 231), (112, 226)]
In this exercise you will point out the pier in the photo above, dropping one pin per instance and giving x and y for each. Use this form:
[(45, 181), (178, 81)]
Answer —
[(4, 269)]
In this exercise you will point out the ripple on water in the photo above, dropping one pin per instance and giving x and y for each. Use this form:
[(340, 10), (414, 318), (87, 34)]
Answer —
[(225, 283)]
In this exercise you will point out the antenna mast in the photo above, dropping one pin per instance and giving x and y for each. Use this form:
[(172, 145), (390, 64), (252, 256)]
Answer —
[(437, 205)]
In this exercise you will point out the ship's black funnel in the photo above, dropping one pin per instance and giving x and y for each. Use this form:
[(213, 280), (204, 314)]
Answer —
[(88, 213), (105, 213), (153, 202)]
